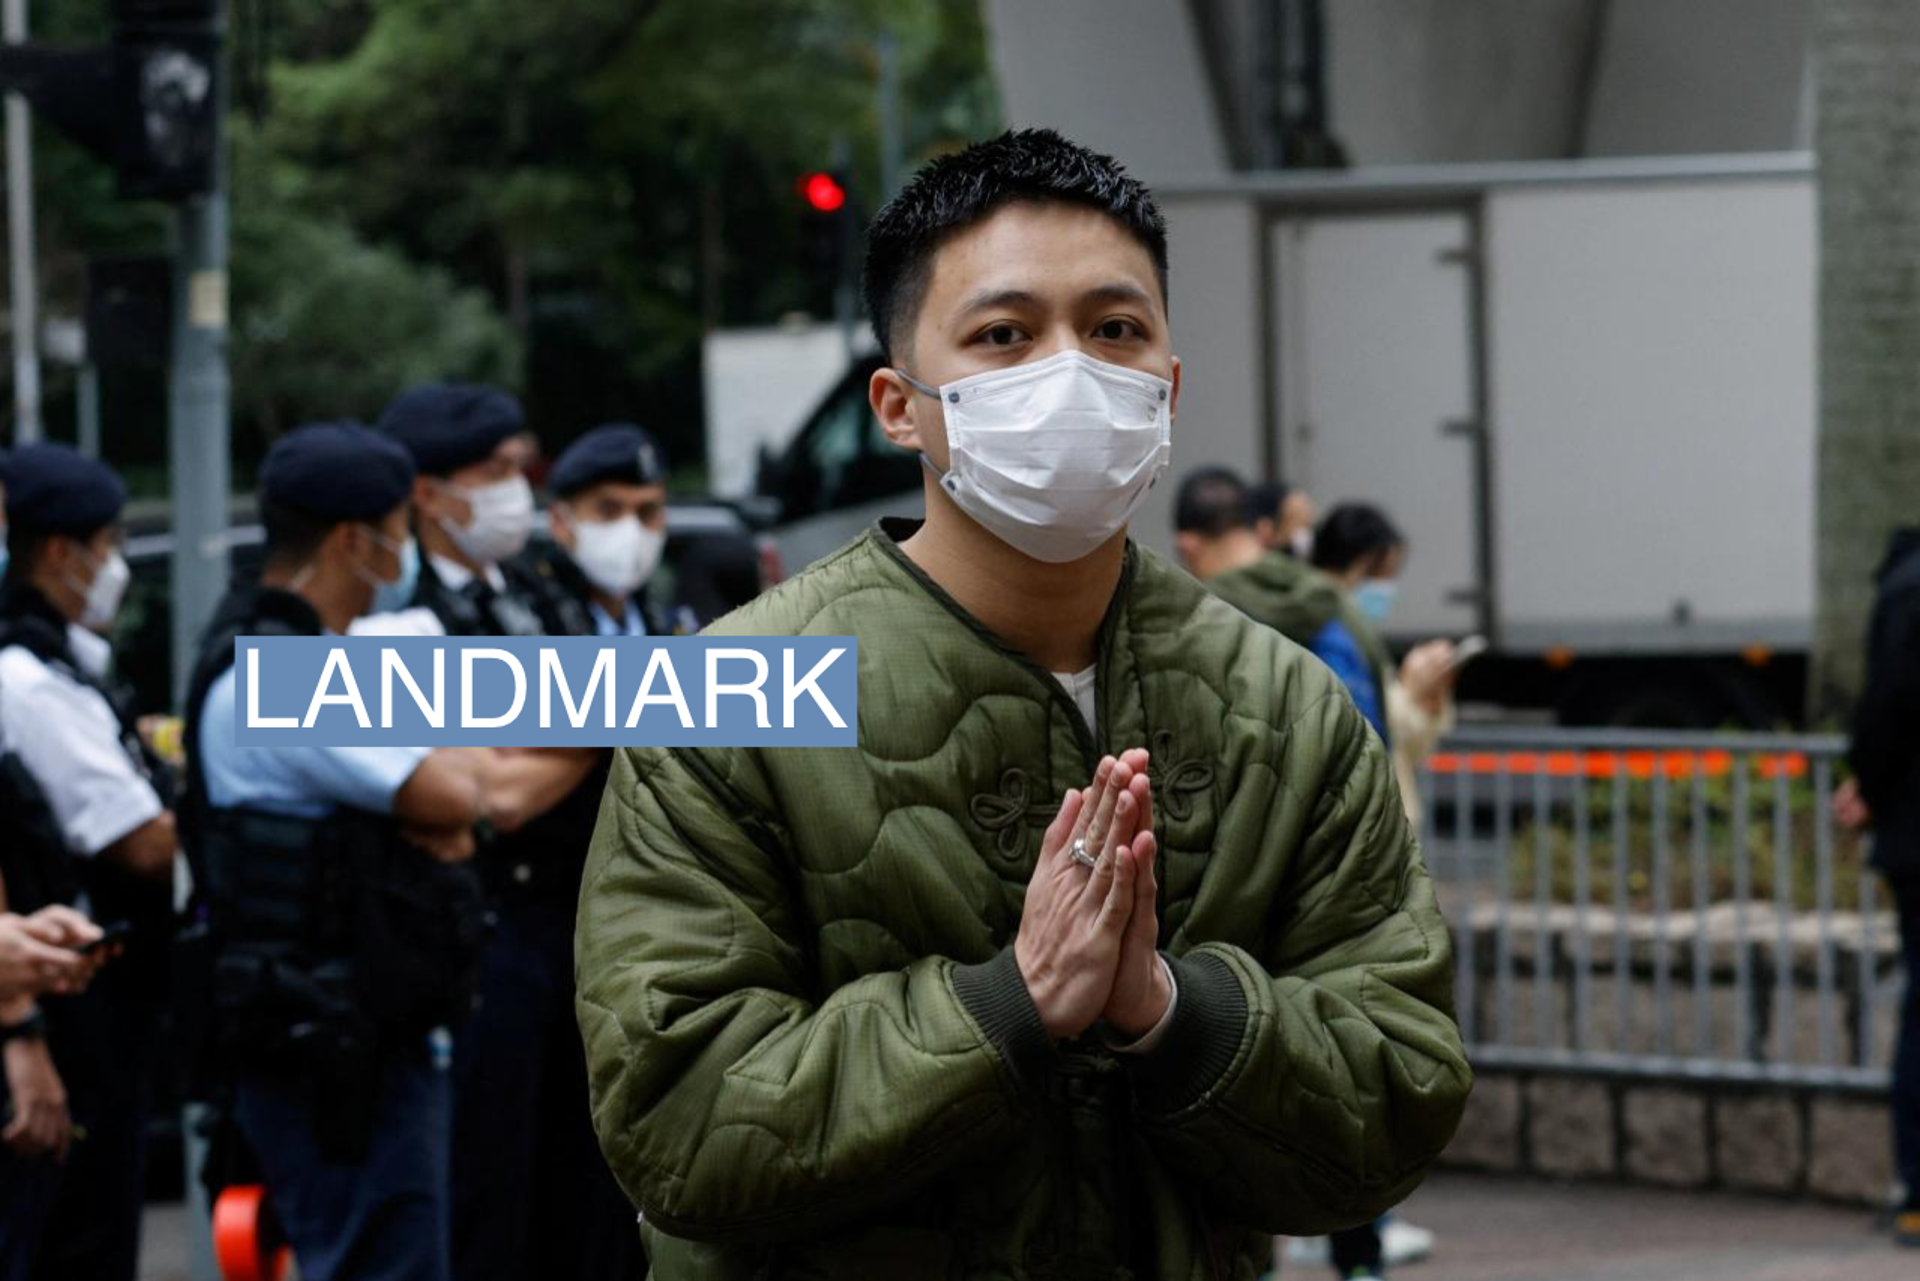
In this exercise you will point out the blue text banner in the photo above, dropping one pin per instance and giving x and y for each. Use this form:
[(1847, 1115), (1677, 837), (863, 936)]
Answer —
[(546, 691)]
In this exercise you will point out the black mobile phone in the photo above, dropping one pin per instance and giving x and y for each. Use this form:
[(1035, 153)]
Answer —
[(118, 932)]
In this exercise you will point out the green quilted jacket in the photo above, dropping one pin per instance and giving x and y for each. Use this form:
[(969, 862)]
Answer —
[(810, 1051)]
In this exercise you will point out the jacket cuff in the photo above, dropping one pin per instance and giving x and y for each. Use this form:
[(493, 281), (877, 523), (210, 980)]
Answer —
[(1209, 1023), (995, 994)]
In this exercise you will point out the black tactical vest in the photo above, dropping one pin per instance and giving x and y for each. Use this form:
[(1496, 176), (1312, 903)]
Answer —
[(322, 941)]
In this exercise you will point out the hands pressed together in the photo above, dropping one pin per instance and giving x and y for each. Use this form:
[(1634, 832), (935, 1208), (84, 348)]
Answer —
[(1089, 935)]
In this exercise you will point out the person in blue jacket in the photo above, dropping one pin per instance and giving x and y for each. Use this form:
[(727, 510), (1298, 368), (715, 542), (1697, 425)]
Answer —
[(1362, 551)]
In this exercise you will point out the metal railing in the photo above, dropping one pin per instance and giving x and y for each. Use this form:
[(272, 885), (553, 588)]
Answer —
[(1660, 904)]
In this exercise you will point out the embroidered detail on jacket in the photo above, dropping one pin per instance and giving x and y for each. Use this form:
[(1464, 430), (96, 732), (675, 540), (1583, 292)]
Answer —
[(1175, 783), (1008, 812)]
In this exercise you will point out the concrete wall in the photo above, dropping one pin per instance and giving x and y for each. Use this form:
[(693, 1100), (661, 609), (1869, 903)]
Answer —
[(1442, 81), (1704, 76), (1773, 1139), (1126, 77), (1163, 83)]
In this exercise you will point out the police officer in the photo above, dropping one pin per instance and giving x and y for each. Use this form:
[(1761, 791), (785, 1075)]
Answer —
[(609, 525), (522, 1137), (473, 506), (98, 834), (344, 911)]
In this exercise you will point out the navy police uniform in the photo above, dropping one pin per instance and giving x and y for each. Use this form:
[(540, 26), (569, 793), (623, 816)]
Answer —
[(532, 1196), (444, 427), (615, 453), (339, 954), (74, 779)]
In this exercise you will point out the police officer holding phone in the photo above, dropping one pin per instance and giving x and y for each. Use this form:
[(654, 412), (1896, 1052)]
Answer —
[(91, 828)]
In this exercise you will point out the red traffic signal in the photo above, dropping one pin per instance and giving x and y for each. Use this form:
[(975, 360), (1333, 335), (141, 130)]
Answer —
[(823, 192)]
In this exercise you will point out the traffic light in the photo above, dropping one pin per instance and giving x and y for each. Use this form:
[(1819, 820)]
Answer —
[(824, 192), (166, 69), (832, 225), (147, 103)]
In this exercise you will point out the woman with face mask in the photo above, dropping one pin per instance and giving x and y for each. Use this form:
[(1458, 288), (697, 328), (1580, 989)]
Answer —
[(1358, 547), (1361, 550)]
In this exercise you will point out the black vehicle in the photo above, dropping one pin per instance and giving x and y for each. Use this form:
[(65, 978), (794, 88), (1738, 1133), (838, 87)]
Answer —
[(839, 474)]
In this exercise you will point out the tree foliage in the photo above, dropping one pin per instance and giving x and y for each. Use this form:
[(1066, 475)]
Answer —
[(561, 196), (609, 177)]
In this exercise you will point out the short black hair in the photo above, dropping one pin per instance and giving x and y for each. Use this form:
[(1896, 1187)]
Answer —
[(957, 191), (294, 534), (1265, 500), (1212, 501), (1351, 533)]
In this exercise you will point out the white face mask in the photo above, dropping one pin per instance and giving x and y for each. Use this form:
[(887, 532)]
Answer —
[(1302, 544), (617, 555), (90, 650), (110, 579), (1055, 457), (502, 520)]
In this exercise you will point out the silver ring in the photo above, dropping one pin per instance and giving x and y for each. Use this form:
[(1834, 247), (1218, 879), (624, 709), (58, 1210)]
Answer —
[(1078, 853)]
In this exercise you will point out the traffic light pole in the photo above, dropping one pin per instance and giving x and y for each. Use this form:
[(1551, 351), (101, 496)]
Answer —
[(845, 305), (197, 447), (197, 396), (197, 405), (20, 245)]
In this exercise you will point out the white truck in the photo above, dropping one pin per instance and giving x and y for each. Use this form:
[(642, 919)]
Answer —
[(1558, 319), (1584, 390)]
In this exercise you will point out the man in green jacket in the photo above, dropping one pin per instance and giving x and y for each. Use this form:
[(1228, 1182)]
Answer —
[(1215, 535), (1108, 951)]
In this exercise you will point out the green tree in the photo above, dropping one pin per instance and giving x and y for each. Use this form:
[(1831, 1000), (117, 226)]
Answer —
[(617, 177), (327, 325), (562, 197)]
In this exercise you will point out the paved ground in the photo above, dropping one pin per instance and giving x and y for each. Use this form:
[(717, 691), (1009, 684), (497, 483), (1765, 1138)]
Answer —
[(1530, 1230), (1498, 1229)]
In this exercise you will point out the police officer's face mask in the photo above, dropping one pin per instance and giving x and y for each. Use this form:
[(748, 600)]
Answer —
[(1054, 457), (617, 556), (102, 596), (501, 520), (391, 595)]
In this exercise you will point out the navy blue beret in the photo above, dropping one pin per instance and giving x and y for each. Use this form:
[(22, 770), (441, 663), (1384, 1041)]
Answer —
[(52, 489), (616, 452), (446, 426), (336, 471)]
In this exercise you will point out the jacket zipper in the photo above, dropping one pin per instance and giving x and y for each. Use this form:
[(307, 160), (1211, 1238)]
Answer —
[(1083, 734)]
